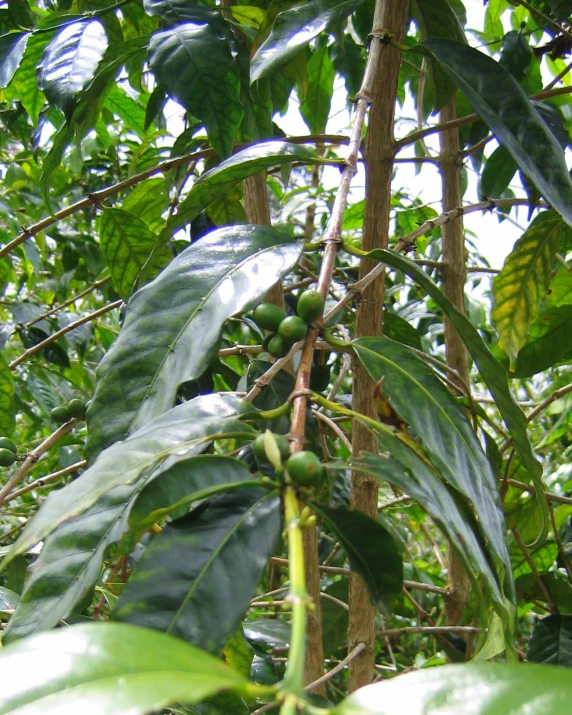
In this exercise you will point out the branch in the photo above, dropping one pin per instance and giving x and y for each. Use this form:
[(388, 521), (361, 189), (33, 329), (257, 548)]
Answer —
[(33, 456), (44, 481), (60, 333), (338, 668), (469, 119), (97, 197), (47, 314), (408, 630)]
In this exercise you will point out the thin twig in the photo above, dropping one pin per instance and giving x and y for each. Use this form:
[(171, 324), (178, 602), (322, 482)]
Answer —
[(33, 456), (334, 427), (409, 630), (44, 481), (60, 333), (63, 305), (338, 668), (529, 488)]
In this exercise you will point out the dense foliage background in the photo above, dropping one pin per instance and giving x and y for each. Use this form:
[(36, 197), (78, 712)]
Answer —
[(152, 196)]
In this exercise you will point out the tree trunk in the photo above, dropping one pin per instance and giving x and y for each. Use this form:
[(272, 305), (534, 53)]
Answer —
[(453, 285), (379, 157)]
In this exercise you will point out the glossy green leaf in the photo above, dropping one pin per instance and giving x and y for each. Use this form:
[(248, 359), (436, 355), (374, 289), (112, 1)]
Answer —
[(68, 567), (294, 29), (177, 12), (503, 105), (267, 632), (25, 84), (12, 48), (238, 652), (116, 668), (193, 62), (371, 551), (127, 242), (436, 18), (497, 174), (70, 62), (400, 466), (8, 599), (441, 427), (179, 433), (549, 342), (491, 689), (315, 109), (397, 328), (551, 641), (523, 282), (555, 583), (223, 273), (131, 112), (147, 200), (7, 409), (218, 181), (492, 372), (213, 559)]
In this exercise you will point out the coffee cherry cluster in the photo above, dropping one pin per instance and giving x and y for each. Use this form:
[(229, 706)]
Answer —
[(8, 451), (64, 413), (304, 468), (287, 330)]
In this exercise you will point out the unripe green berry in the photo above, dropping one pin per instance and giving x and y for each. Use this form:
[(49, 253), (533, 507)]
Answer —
[(304, 468), (292, 329), (310, 306), (268, 316)]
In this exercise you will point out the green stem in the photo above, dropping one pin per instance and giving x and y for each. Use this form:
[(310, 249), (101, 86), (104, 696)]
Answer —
[(294, 678), (283, 409)]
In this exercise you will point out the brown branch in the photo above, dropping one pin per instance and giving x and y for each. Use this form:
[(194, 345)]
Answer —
[(44, 481), (85, 292), (97, 197), (409, 630), (469, 119), (531, 490), (33, 456), (60, 333), (359, 648)]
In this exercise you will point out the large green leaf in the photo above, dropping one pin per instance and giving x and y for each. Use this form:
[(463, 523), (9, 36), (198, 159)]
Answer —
[(401, 467), (179, 433), (25, 84), (222, 274), (70, 62), (316, 106), (148, 201), (7, 409), (502, 104), (492, 689), (436, 18), (193, 62), (549, 342), (69, 565), (212, 560), (523, 282), (12, 47), (218, 181), (493, 373), (371, 550), (441, 427), (114, 667), (294, 29), (127, 242), (551, 641), (176, 12), (497, 174)]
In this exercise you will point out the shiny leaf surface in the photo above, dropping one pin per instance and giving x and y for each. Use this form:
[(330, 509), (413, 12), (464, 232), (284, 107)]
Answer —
[(502, 104), (551, 641), (441, 427), (220, 275), (70, 62), (491, 689), (492, 371), (294, 29), (212, 559), (177, 434), (218, 181), (194, 64), (12, 48), (113, 667)]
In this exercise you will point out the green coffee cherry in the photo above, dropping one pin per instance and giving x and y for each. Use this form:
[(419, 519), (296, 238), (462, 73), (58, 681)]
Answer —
[(292, 329), (76, 408), (268, 316), (310, 306), (259, 447), (7, 457), (278, 347), (6, 443), (304, 468), (60, 415)]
